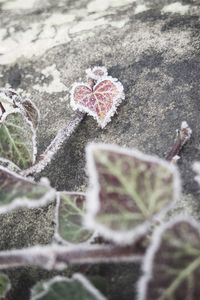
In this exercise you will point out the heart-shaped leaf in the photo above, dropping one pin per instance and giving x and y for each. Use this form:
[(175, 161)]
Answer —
[(172, 263), (18, 123), (128, 190), (76, 288), (99, 99), (16, 191), (69, 218)]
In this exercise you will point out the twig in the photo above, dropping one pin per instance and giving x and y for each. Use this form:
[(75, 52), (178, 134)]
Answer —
[(58, 257), (62, 135), (182, 136)]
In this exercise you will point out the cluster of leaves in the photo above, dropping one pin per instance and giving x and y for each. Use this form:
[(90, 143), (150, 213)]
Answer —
[(124, 207)]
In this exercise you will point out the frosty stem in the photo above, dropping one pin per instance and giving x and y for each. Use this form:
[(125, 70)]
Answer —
[(57, 257), (62, 135), (182, 136)]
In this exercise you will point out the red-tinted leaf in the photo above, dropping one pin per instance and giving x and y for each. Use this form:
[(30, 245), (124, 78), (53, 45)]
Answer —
[(99, 99), (128, 191), (172, 263)]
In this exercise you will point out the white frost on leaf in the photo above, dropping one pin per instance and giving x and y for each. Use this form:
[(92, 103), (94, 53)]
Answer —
[(9, 165), (147, 266), (93, 198), (102, 117), (25, 201), (48, 285), (11, 102)]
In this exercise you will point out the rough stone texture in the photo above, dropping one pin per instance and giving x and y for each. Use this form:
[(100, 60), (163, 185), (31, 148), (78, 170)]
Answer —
[(25, 227), (152, 47)]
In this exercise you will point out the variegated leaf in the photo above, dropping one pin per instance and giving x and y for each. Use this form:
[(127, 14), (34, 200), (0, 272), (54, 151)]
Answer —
[(128, 191)]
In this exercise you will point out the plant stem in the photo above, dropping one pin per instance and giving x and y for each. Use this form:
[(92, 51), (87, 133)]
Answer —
[(62, 135), (183, 135), (58, 257)]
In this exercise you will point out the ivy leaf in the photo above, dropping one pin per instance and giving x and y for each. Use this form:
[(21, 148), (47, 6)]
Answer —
[(99, 97), (77, 288), (18, 143), (18, 124), (30, 112), (172, 263), (4, 285), (17, 191), (8, 164), (69, 215), (128, 191), (9, 100)]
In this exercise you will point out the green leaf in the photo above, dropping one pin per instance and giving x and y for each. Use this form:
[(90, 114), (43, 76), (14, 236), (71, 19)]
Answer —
[(4, 285), (17, 191), (128, 191), (69, 218), (172, 263), (17, 141), (18, 123), (11, 102), (77, 288), (8, 164)]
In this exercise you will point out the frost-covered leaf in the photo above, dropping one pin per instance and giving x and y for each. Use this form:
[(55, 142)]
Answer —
[(76, 288), (30, 112), (4, 285), (183, 135), (69, 216), (172, 263), (17, 191), (8, 164), (128, 190), (99, 98), (9, 100), (18, 123), (18, 143)]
